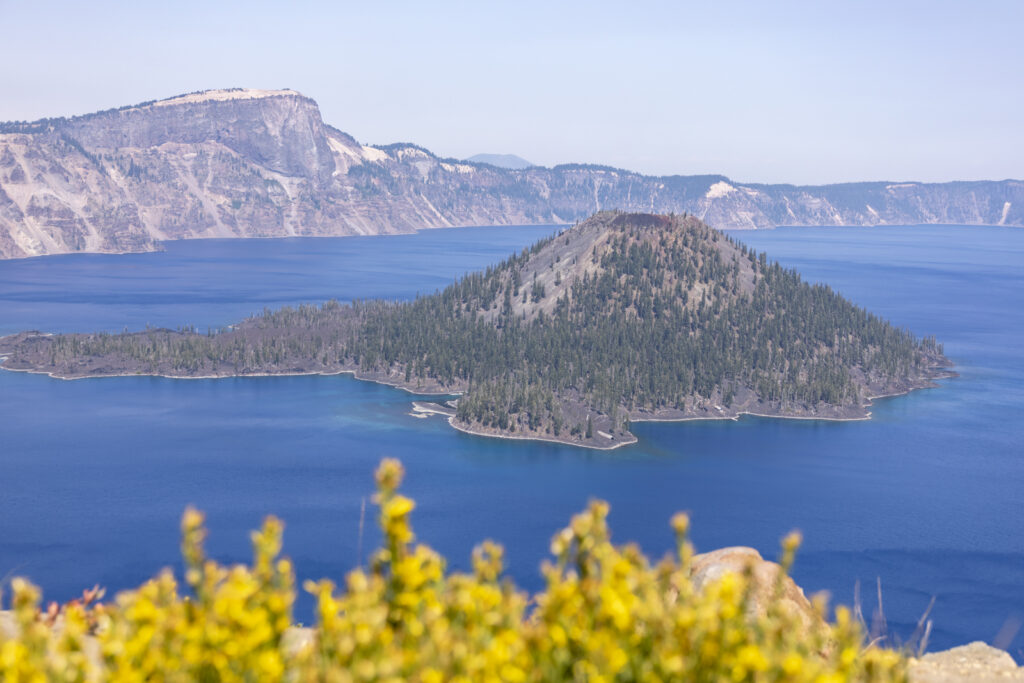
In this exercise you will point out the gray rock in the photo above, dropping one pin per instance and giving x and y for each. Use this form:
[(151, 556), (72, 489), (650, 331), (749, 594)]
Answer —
[(974, 663), (709, 567), (8, 627)]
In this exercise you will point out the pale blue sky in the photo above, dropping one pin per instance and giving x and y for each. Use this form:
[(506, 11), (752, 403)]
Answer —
[(802, 92)]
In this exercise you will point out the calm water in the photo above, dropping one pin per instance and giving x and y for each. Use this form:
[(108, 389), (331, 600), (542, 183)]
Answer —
[(929, 495)]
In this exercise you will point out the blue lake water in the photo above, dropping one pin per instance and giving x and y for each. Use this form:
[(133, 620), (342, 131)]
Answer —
[(928, 495)]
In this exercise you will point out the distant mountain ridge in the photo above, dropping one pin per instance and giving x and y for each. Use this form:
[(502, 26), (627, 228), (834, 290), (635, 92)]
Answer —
[(262, 163), (511, 161)]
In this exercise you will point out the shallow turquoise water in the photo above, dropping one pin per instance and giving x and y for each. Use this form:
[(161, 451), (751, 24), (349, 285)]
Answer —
[(928, 495)]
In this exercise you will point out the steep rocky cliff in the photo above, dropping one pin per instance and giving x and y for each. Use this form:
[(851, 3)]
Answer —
[(259, 163)]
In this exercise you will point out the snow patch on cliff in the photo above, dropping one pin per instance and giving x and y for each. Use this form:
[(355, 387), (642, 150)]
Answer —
[(410, 153), (374, 154), (457, 168), (343, 149), (719, 189)]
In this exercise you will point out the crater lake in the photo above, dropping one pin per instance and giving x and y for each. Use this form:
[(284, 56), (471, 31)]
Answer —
[(927, 496)]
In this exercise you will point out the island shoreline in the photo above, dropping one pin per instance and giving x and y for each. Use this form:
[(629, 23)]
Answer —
[(941, 372)]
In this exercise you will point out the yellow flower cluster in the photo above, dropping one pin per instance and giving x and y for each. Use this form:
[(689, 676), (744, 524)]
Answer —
[(606, 614)]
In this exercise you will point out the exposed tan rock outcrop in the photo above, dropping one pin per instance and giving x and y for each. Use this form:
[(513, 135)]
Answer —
[(709, 567), (973, 663)]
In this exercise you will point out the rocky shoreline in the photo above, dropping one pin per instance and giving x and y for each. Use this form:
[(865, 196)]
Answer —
[(605, 436)]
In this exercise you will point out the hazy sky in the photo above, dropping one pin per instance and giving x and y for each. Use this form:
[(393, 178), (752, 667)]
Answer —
[(766, 91)]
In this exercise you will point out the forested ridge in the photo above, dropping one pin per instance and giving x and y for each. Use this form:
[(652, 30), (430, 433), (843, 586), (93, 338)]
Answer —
[(624, 316)]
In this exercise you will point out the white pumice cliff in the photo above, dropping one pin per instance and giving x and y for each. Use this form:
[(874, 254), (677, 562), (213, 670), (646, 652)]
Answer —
[(262, 163)]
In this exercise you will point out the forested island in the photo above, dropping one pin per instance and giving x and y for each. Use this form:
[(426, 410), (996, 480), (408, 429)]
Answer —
[(622, 317)]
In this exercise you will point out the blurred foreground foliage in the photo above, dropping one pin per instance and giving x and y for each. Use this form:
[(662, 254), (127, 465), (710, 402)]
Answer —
[(606, 614)]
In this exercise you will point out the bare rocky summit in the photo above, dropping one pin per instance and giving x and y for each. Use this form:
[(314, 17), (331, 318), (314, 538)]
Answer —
[(262, 163)]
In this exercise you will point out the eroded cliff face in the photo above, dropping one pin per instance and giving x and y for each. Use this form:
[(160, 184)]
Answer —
[(262, 163), (239, 163)]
